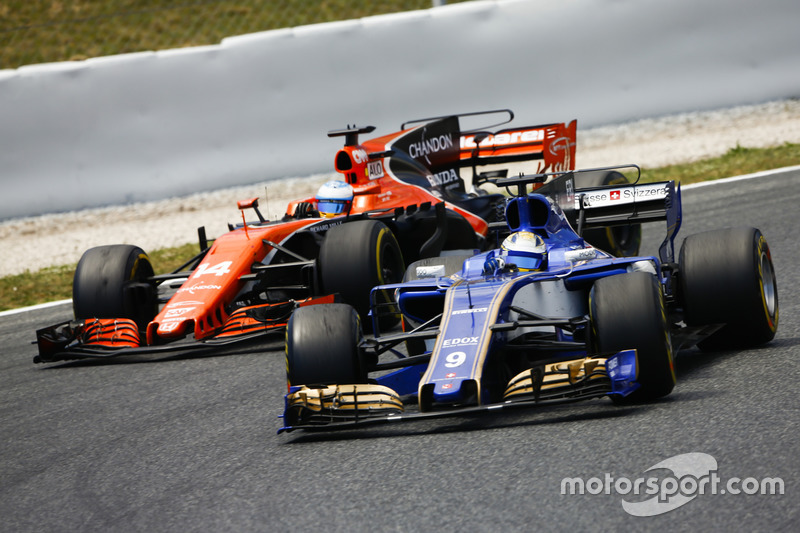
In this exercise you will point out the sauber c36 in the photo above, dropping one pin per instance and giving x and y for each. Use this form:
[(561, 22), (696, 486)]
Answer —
[(493, 330)]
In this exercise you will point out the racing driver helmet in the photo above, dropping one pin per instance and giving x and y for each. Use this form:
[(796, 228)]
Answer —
[(333, 198), (526, 250)]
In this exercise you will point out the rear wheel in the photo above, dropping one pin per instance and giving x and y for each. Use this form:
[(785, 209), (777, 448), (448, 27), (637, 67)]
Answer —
[(110, 282), (621, 241), (727, 278), (627, 312), (357, 256), (322, 346)]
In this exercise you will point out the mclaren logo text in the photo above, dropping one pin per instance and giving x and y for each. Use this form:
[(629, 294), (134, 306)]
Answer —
[(502, 139)]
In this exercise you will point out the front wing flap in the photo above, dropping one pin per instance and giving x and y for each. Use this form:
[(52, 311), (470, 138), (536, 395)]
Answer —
[(104, 338), (570, 380), (336, 407), (62, 342)]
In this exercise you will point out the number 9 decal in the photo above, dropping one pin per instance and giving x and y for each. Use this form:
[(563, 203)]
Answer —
[(455, 359)]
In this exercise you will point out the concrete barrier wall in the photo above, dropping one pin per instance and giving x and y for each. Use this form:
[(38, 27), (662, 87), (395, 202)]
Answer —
[(145, 126)]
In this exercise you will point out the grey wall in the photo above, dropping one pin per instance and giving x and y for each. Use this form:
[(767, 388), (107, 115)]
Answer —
[(145, 126)]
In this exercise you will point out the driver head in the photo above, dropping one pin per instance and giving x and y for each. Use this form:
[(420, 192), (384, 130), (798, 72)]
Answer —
[(334, 198)]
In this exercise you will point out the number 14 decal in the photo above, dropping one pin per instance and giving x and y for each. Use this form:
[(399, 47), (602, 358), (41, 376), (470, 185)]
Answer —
[(220, 269)]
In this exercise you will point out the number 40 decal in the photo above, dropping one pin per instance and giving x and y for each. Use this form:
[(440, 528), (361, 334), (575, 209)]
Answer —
[(220, 269)]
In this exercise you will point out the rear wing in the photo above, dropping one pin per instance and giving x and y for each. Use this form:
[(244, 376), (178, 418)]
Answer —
[(554, 144), (620, 205), (609, 206), (624, 204)]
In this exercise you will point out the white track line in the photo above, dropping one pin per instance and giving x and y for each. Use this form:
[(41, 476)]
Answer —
[(740, 178), (33, 307)]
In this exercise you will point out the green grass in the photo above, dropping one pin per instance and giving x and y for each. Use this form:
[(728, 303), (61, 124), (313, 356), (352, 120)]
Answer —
[(55, 283), (43, 31), (736, 162)]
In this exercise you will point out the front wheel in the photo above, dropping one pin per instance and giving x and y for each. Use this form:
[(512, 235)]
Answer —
[(322, 346), (727, 277), (627, 312), (111, 282)]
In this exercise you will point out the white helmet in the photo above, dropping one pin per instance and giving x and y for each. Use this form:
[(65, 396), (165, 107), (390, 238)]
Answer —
[(525, 249), (333, 198)]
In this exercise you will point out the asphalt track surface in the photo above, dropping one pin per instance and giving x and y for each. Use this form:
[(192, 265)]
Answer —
[(190, 444)]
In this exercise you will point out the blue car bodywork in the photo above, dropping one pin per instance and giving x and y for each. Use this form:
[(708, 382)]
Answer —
[(481, 337)]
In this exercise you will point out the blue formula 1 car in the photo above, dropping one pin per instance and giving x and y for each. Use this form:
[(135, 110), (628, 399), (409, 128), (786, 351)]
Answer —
[(546, 318)]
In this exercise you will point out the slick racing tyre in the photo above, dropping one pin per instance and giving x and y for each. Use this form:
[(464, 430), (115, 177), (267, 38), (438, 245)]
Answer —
[(450, 264), (111, 282), (627, 312), (727, 277), (620, 241), (357, 256), (322, 346)]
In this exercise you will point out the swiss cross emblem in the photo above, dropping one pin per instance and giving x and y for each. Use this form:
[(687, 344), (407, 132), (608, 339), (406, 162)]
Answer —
[(451, 375), (615, 195)]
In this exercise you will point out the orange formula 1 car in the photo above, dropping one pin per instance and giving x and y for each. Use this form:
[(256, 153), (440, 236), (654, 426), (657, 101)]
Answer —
[(402, 199)]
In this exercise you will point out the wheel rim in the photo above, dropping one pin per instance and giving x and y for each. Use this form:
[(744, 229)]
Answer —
[(768, 289)]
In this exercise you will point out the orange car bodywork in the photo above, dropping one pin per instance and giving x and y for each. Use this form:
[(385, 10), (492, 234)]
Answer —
[(364, 166), (199, 305), (202, 306)]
